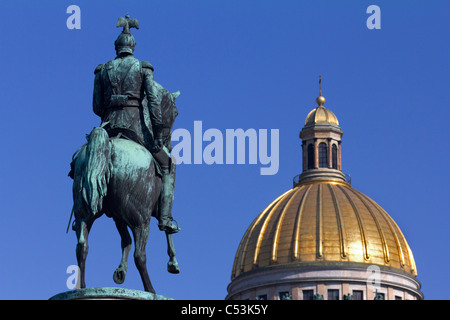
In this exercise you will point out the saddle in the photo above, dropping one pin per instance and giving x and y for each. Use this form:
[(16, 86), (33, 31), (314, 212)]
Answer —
[(118, 133), (123, 133)]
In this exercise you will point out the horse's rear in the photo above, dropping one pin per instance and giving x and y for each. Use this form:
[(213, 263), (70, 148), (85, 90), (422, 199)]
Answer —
[(91, 177), (116, 177), (134, 187)]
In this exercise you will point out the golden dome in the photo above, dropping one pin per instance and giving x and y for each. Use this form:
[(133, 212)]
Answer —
[(323, 221), (321, 115)]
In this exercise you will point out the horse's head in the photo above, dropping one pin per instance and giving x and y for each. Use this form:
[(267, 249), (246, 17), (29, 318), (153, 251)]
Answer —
[(169, 108)]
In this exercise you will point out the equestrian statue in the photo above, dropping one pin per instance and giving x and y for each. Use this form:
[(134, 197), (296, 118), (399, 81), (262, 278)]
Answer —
[(125, 169)]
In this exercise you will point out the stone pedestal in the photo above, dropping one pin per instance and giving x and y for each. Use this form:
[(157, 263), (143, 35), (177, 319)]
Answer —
[(101, 293)]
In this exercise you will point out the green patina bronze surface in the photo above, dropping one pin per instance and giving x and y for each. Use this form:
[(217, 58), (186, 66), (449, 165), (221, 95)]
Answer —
[(125, 169)]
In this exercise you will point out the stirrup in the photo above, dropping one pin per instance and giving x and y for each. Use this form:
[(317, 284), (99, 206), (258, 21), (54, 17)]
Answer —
[(170, 228)]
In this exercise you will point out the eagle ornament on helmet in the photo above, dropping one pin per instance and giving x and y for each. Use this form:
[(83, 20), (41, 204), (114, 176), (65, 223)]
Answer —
[(125, 41)]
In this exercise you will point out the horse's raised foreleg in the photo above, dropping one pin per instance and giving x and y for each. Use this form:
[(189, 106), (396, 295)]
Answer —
[(82, 231), (140, 258), (172, 265), (121, 271)]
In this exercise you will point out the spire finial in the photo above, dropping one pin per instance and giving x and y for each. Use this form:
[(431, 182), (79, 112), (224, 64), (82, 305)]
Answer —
[(320, 84), (320, 99)]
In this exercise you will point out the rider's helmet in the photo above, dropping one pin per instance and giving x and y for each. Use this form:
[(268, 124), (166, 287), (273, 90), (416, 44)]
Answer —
[(125, 41)]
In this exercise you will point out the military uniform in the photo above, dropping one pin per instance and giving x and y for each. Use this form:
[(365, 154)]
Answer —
[(119, 89), (120, 86)]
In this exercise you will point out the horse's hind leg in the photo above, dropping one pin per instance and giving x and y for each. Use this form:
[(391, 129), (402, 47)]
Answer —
[(82, 231), (172, 265), (140, 258), (121, 271)]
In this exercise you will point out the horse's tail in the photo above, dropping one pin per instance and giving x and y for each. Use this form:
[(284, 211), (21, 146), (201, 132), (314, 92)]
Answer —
[(94, 178)]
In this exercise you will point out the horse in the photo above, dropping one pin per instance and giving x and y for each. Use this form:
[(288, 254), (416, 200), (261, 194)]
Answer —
[(118, 177)]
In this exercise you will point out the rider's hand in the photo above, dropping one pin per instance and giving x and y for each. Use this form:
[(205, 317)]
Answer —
[(157, 146)]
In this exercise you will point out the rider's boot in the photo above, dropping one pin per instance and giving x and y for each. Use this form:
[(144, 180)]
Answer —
[(167, 192)]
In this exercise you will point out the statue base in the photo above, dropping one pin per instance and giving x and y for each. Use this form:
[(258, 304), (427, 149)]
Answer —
[(101, 293)]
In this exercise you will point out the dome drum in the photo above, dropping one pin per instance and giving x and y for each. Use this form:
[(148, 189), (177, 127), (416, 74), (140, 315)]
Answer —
[(321, 131), (321, 174), (298, 278)]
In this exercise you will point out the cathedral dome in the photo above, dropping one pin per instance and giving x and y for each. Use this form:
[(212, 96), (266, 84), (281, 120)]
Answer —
[(323, 222), (323, 239)]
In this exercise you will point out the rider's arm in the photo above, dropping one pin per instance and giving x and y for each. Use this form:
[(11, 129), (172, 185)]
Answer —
[(150, 91), (97, 101), (153, 105)]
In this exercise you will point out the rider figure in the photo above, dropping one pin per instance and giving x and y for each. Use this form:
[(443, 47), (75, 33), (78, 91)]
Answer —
[(120, 87)]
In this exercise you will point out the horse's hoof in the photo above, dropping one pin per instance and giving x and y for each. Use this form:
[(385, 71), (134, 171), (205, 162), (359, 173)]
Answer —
[(173, 267), (119, 276), (153, 292)]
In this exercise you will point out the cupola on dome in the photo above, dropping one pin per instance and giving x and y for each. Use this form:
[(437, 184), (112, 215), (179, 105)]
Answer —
[(321, 115)]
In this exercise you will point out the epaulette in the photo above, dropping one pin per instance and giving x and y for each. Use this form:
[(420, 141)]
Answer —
[(146, 64), (99, 67)]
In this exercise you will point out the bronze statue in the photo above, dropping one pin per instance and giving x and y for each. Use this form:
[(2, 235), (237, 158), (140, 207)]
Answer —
[(115, 172)]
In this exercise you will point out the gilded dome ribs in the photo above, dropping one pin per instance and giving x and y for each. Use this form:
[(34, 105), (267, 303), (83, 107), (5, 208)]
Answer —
[(377, 223), (411, 260), (366, 255), (298, 216), (319, 223), (408, 249), (394, 226), (279, 225), (340, 224), (388, 221), (264, 226), (238, 261), (252, 229)]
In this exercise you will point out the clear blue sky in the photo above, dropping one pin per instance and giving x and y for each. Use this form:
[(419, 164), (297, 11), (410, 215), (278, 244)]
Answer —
[(238, 64)]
